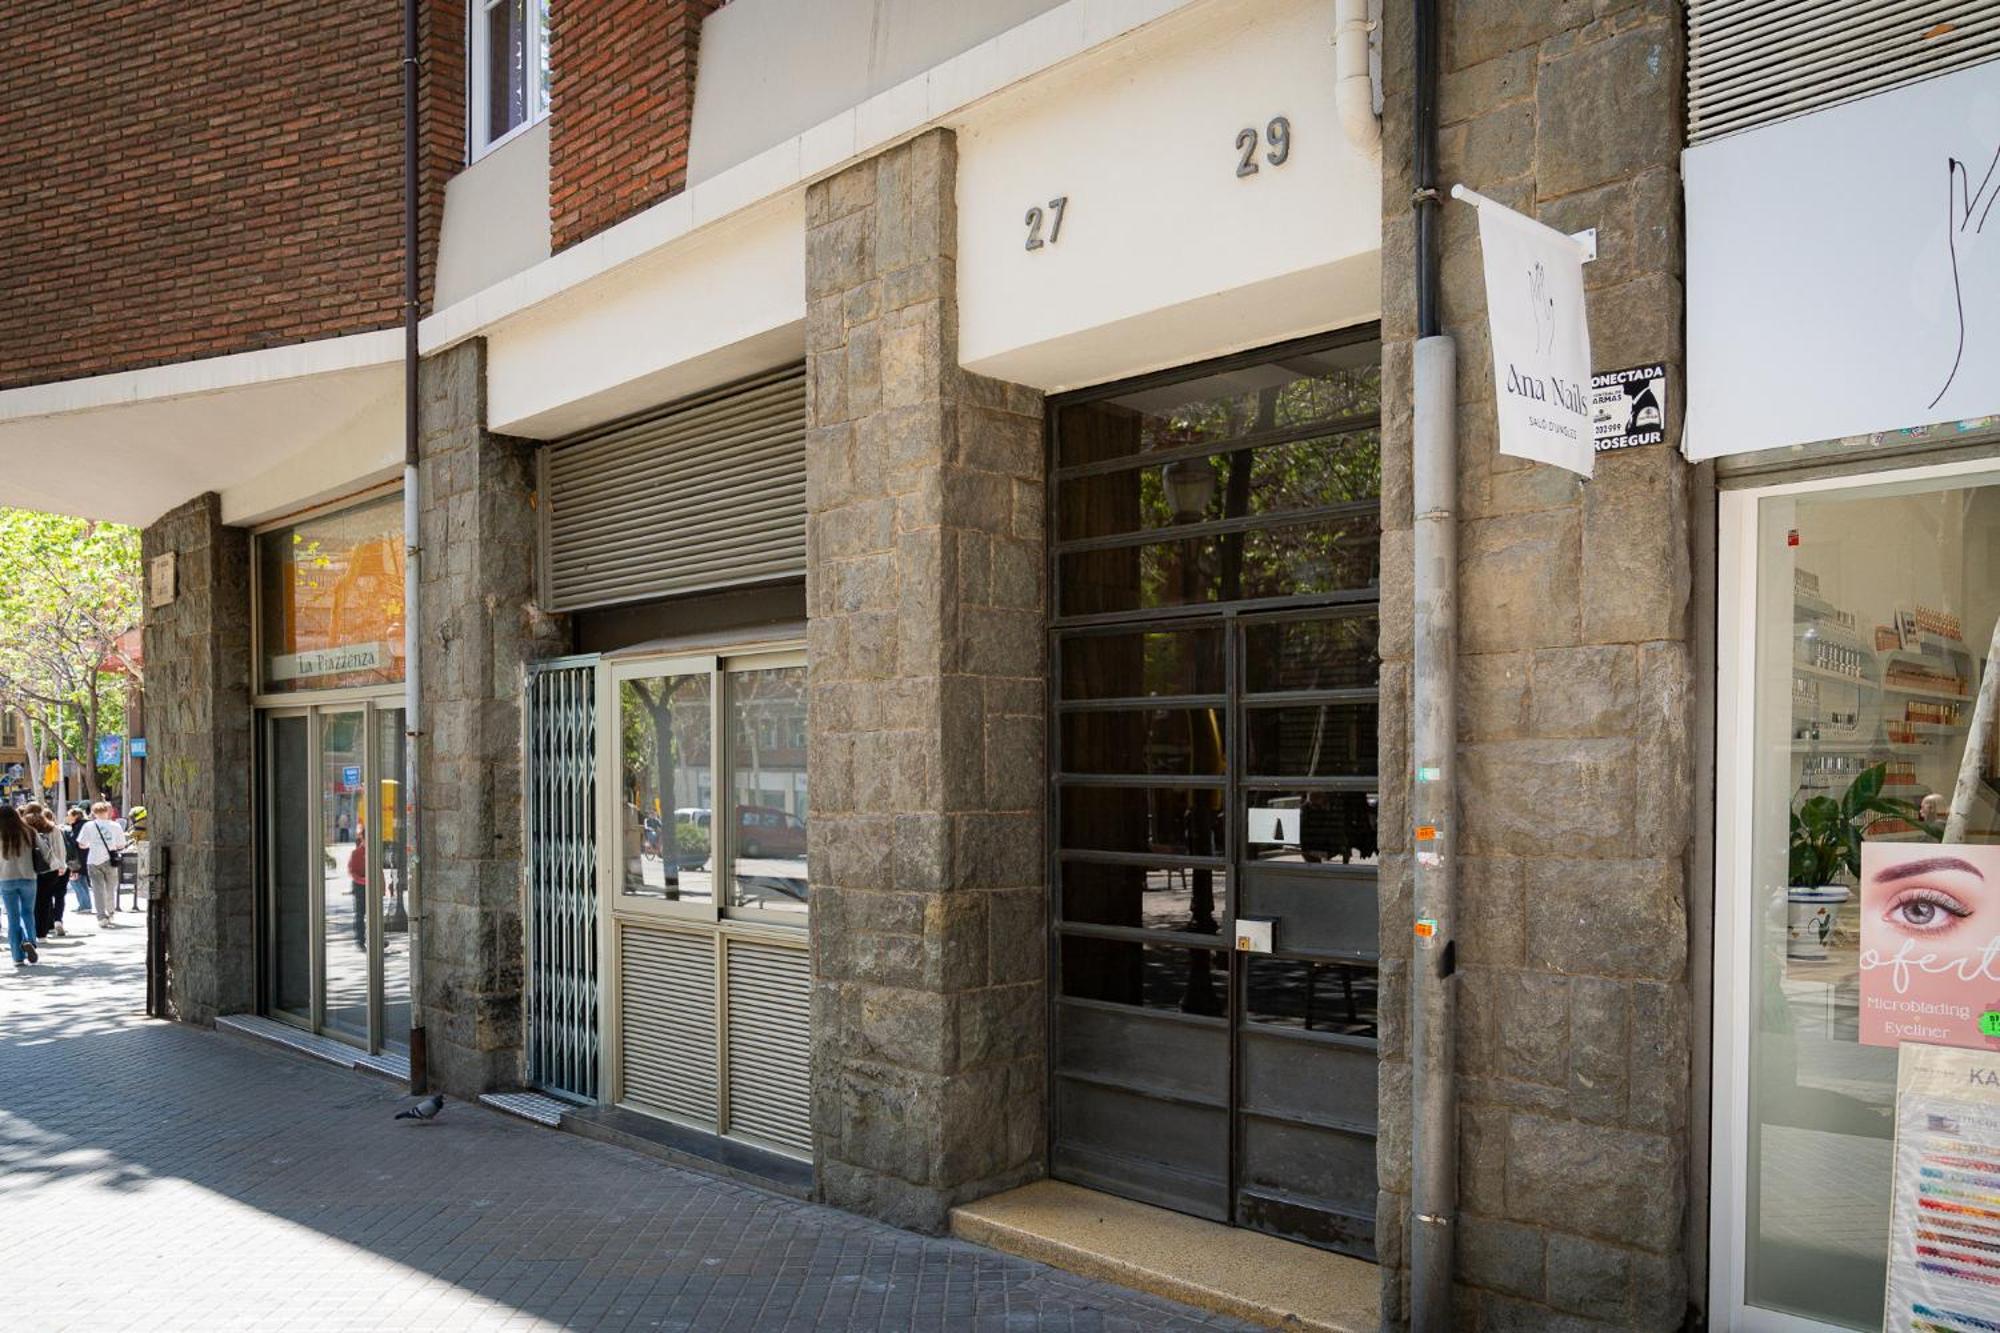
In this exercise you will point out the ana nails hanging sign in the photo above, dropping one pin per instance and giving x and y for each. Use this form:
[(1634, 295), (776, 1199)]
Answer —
[(1541, 340)]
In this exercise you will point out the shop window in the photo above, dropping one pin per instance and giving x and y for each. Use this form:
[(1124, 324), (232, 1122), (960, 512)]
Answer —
[(330, 600), (1873, 817), (676, 846), (767, 707)]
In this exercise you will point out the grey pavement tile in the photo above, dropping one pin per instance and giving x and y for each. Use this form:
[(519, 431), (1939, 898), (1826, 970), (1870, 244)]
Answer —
[(242, 1187)]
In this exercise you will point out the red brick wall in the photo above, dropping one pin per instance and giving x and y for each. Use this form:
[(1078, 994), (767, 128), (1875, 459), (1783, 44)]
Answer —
[(620, 108), (184, 181)]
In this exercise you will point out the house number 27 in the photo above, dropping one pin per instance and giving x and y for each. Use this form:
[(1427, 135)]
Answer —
[(1054, 217), (1278, 134)]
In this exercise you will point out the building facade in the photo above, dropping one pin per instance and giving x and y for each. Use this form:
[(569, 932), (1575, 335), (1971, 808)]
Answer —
[(911, 597)]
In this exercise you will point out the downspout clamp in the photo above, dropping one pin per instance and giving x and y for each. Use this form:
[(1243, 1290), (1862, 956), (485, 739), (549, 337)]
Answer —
[(412, 552), (1433, 740)]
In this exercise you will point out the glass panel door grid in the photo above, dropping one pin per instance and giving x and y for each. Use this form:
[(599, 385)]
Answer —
[(1216, 571), (703, 881), (1853, 641), (337, 937)]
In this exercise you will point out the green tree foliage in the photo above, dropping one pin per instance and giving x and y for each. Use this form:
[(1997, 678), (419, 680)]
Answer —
[(69, 592)]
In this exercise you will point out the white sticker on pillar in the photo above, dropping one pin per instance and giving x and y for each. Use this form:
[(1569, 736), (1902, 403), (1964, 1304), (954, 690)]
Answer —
[(1274, 825)]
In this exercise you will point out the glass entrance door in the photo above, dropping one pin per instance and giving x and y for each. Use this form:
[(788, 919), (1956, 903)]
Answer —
[(347, 940), (1215, 652), (337, 934), (288, 824)]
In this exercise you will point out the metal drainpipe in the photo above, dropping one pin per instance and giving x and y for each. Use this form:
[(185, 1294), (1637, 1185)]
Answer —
[(1433, 737), (412, 555)]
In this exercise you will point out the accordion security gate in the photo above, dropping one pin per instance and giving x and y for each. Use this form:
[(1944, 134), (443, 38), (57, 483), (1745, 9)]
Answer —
[(559, 778)]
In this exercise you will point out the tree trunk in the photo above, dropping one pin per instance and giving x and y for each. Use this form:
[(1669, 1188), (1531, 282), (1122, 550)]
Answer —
[(33, 737), (92, 786)]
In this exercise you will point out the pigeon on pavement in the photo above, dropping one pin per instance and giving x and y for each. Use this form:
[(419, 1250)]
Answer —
[(427, 1109)]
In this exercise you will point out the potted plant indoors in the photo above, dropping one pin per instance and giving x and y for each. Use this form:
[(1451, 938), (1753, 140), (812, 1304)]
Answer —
[(1826, 843)]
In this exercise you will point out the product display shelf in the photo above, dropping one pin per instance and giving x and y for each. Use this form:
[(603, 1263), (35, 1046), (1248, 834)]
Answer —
[(1841, 677), (1916, 693)]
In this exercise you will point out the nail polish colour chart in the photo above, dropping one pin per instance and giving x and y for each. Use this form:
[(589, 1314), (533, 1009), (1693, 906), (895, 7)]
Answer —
[(1944, 1231)]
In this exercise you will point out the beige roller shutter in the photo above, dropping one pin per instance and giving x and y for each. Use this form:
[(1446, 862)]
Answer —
[(703, 494), (666, 1021), (1752, 62), (770, 1043)]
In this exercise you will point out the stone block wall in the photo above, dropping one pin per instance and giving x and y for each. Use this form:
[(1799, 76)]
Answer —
[(924, 595), (481, 622), (1575, 721), (200, 808)]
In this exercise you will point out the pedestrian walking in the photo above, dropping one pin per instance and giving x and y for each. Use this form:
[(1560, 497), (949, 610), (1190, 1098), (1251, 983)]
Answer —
[(17, 885), (51, 870), (102, 841), (78, 880)]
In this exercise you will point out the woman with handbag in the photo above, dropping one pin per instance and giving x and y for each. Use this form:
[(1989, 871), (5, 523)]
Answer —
[(102, 841), (51, 870)]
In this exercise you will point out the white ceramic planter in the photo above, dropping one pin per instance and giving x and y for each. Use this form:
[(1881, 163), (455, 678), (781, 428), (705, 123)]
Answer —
[(1810, 916)]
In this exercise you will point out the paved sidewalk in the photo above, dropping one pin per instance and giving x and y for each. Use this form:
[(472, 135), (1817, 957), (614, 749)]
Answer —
[(157, 1176)]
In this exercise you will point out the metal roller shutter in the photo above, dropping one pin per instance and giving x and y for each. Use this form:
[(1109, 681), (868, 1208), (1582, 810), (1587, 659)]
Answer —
[(704, 494), (769, 1005), (667, 1021), (1752, 62)]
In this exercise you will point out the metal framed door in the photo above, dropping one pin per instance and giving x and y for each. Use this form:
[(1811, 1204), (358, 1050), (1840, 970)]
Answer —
[(1214, 560), (327, 838), (1305, 799)]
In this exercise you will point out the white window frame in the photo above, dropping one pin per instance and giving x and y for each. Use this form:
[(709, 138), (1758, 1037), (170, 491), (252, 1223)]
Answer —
[(719, 667), (477, 144), (1736, 914)]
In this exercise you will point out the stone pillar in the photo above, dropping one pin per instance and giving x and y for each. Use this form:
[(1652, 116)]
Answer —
[(200, 808), (924, 591), (481, 622), (1575, 721)]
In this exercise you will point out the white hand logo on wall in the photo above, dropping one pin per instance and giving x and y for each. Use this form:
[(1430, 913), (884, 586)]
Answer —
[(1544, 308), (1967, 211)]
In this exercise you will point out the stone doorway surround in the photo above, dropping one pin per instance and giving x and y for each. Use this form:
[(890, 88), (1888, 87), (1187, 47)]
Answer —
[(925, 601)]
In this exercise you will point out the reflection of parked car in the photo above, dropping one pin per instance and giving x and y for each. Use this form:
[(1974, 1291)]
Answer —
[(762, 831)]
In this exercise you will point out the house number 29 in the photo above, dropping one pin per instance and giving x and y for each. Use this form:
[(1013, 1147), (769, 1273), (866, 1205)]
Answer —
[(1054, 216), (1278, 134)]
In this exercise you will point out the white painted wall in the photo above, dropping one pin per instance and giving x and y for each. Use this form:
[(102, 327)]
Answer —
[(1165, 255), (267, 429), (771, 69), (496, 217), (724, 302)]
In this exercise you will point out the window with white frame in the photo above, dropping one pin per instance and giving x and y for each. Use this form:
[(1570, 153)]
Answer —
[(509, 69)]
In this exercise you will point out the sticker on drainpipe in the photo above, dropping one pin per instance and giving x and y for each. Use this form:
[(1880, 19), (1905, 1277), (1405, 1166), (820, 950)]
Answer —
[(1427, 927), (1430, 773)]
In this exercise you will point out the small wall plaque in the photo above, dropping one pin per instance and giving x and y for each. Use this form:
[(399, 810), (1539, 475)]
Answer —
[(160, 589)]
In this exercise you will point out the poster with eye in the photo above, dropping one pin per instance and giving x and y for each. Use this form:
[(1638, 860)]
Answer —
[(1944, 1232), (1930, 944)]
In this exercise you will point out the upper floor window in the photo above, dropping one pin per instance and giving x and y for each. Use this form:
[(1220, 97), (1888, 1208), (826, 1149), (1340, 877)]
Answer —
[(510, 69)]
